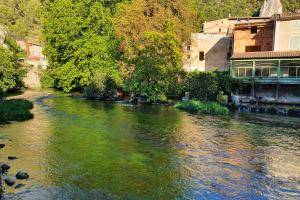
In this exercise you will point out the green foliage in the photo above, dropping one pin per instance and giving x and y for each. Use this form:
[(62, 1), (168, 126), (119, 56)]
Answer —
[(211, 108), (221, 98), (103, 85), (157, 65), (202, 85), (80, 40), (15, 110), (11, 73), (21, 17), (225, 82), (217, 9), (135, 19)]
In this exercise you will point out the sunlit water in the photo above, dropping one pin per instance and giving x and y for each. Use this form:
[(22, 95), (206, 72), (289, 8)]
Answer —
[(79, 149)]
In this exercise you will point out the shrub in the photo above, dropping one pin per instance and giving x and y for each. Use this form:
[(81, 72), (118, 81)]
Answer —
[(202, 85), (211, 108), (15, 110)]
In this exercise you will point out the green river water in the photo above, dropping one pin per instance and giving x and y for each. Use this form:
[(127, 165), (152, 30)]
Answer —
[(79, 149)]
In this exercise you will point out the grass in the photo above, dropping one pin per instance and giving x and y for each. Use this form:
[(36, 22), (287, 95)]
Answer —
[(211, 108), (15, 110)]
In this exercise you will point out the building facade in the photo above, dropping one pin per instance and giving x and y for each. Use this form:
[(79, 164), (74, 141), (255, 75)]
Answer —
[(212, 48), (270, 69), (37, 62)]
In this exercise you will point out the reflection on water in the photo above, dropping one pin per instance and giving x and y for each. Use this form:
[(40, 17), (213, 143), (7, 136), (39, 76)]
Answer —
[(78, 149)]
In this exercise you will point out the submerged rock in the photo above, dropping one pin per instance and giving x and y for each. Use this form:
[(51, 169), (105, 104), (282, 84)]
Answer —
[(2, 146), (22, 175), (9, 181), (12, 157), (4, 167), (19, 186)]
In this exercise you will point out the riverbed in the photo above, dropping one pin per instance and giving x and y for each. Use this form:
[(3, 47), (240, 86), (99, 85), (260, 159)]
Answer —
[(80, 149)]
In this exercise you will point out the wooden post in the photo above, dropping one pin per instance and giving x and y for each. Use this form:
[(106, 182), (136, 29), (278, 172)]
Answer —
[(277, 90)]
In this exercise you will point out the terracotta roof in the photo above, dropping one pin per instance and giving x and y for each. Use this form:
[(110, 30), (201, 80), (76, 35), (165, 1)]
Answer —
[(245, 18), (266, 54), (289, 16)]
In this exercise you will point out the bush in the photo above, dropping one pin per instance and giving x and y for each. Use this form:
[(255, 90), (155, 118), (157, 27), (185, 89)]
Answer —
[(15, 110), (202, 85), (210, 108), (103, 85)]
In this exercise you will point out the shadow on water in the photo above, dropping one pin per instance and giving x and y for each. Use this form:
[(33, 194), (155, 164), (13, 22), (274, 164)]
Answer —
[(79, 149)]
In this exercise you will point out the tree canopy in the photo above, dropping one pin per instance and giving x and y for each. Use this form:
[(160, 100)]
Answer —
[(79, 37)]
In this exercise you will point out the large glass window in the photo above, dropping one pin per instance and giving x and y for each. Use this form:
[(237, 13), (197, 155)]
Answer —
[(294, 43), (295, 25), (243, 72), (266, 72)]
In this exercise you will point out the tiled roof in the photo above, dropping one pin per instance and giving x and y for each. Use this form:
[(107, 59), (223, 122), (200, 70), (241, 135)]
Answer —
[(266, 54)]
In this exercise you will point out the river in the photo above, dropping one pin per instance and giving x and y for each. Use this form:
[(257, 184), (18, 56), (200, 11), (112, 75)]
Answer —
[(79, 149)]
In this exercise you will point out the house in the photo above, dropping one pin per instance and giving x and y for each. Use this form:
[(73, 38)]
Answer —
[(36, 60), (212, 48), (34, 53), (266, 59)]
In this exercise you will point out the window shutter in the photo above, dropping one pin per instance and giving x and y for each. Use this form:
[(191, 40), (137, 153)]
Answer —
[(294, 43)]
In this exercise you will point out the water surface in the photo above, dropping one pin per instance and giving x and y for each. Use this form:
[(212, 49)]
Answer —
[(79, 149)]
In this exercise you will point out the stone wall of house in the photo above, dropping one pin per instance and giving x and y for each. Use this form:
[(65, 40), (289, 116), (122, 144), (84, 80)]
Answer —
[(215, 49), (244, 38), (33, 77)]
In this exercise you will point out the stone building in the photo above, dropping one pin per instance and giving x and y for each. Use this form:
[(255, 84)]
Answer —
[(212, 48), (36, 60), (270, 68)]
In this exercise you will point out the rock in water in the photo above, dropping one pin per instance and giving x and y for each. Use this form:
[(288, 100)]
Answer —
[(9, 181), (12, 157), (22, 175), (19, 186), (2, 146), (4, 167), (270, 8)]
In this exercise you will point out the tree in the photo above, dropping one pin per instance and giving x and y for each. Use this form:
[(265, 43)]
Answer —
[(80, 40), (11, 72), (134, 19), (157, 65), (21, 17), (203, 85)]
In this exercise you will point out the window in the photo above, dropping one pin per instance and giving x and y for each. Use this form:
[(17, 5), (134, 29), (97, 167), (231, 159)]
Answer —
[(294, 43), (189, 47), (201, 55), (243, 72), (252, 48), (188, 56), (220, 30), (254, 29), (295, 25), (265, 72)]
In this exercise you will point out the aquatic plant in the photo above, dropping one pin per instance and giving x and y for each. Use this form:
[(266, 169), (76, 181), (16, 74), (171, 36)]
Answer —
[(15, 110), (211, 108)]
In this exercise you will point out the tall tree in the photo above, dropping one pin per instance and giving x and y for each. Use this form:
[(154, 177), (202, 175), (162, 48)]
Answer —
[(158, 65), (79, 37), (140, 16)]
